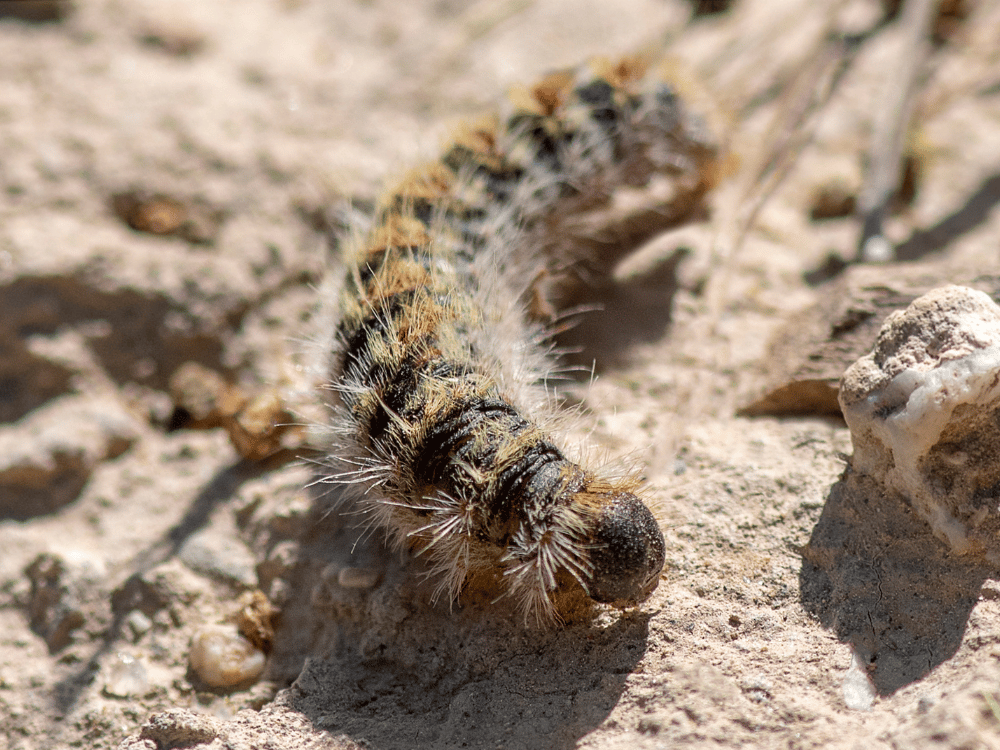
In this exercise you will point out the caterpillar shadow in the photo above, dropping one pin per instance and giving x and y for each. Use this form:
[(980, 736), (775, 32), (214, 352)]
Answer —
[(620, 316), (389, 668)]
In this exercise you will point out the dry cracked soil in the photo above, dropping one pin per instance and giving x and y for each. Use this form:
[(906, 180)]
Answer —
[(175, 179)]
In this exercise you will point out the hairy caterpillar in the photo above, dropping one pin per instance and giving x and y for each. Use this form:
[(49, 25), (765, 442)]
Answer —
[(437, 365)]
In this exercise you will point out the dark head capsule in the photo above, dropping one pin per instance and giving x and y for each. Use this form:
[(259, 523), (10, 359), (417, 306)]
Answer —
[(628, 553)]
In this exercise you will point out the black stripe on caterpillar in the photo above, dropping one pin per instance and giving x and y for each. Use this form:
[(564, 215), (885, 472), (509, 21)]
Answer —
[(441, 427)]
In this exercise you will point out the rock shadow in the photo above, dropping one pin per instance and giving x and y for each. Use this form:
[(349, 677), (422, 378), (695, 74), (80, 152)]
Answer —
[(31, 491), (136, 593), (875, 574), (137, 336), (971, 215), (27, 381), (925, 242), (36, 11)]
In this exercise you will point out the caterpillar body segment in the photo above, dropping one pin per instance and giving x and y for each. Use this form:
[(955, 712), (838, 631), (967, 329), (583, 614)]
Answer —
[(441, 419)]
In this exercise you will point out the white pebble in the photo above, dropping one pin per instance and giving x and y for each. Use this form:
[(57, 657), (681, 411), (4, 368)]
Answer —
[(125, 677), (859, 692), (222, 657), (138, 624)]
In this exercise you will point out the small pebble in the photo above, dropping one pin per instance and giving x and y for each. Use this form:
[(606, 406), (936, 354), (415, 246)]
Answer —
[(358, 578), (222, 657), (279, 592), (138, 624), (214, 553), (859, 692), (255, 619), (329, 573), (126, 677), (319, 595)]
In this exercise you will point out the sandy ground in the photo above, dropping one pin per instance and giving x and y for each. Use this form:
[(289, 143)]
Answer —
[(788, 616)]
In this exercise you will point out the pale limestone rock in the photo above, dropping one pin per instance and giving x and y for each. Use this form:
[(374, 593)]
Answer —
[(924, 412)]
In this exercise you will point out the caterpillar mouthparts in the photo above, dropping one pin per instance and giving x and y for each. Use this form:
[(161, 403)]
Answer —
[(440, 428), (627, 554)]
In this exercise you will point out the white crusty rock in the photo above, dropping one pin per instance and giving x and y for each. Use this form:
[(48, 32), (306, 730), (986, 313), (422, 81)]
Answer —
[(924, 414)]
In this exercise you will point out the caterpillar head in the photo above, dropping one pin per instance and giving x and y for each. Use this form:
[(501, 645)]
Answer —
[(627, 554)]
